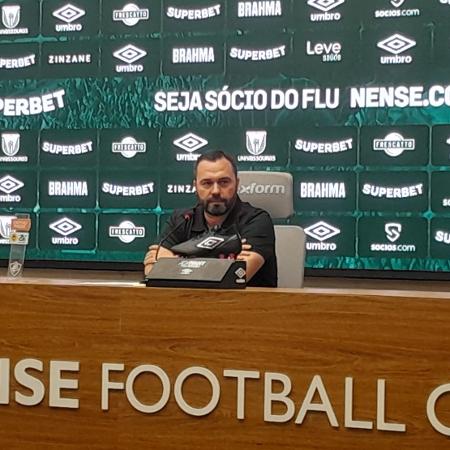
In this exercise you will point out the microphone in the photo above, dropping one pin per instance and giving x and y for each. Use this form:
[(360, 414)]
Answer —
[(186, 217)]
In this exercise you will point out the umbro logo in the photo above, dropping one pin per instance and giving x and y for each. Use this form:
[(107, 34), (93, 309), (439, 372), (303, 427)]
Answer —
[(325, 5), (129, 54), (210, 243), (396, 44), (9, 184), (65, 226), (69, 13), (190, 142), (322, 231)]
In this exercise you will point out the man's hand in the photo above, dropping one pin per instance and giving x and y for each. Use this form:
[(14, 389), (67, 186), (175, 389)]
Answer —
[(254, 260), (150, 257)]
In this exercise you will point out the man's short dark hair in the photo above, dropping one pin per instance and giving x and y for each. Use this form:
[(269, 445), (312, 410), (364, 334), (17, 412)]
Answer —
[(215, 156)]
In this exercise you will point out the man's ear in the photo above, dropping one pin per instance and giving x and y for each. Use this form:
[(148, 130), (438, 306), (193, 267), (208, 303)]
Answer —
[(237, 182)]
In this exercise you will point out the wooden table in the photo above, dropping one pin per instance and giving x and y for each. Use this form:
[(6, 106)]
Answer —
[(338, 344)]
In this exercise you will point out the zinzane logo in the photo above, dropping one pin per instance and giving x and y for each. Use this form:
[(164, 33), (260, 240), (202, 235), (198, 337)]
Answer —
[(129, 54), (130, 15), (10, 148), (321, 231), (68, 14), (325, 6), (127, 232), (11, 19), (65, 227), (394, 144), (396, 44)]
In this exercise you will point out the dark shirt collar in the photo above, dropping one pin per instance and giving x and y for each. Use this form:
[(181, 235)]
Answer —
[(199, 224)]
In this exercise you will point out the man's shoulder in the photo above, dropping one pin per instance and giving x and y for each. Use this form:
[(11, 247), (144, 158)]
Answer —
[(250, 212)]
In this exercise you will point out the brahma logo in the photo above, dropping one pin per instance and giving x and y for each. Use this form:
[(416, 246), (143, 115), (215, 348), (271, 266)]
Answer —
[(193, 55), (323, 190), (396, 44), (127, 232), (189, 143), (68, 189), (210, 243), (394, 144), (128, 147), (324, 147), (326, 6), (5, 229), (193, 14), (129, 54), (69, 14), (130, 14), (10, 20), (65, 227), (8, 185), (244, 54), (256, 143), (259, 9), (10, 148), (321, 231)]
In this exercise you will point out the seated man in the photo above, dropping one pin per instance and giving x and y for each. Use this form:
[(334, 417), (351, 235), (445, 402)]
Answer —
[(216, 182)]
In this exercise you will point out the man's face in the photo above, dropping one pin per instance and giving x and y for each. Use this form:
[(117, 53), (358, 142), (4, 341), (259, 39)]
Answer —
[(216, 186)]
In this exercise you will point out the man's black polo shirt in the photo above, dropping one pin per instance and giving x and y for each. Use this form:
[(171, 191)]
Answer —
[(253, 224)]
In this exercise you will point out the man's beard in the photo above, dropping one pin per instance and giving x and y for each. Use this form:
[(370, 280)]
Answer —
[(218, 206)]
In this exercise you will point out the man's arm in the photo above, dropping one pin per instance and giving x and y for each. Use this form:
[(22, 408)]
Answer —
[(150, 257), (254, 261)]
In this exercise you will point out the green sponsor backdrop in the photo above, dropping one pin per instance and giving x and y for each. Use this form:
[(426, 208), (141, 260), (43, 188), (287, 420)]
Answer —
[(112, 59)]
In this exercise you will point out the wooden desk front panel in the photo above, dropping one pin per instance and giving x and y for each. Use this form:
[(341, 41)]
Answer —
[(404, 340)]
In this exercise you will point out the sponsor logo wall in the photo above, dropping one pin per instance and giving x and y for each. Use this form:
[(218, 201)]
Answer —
[(106, 105)]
